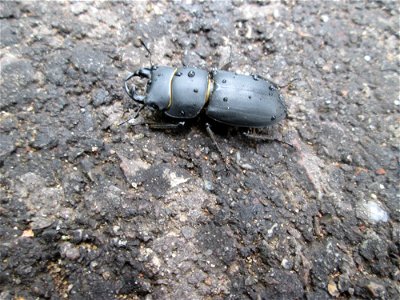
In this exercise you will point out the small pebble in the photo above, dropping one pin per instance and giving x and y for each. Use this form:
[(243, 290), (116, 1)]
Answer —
[(367, 58), (187, 232), (373, 212), (208, 185), (324, 18), (332, 289)]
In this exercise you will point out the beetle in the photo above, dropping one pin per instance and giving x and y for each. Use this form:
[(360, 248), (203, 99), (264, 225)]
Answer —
[(226, 97), (250, 101)]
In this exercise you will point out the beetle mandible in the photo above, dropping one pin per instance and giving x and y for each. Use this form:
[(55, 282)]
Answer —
[(226, 97)]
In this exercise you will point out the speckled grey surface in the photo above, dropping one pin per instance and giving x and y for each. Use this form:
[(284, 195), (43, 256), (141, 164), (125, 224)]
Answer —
[(90, 210)]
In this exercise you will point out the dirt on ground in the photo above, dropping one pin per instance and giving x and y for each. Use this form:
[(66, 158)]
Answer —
[(93, 210)]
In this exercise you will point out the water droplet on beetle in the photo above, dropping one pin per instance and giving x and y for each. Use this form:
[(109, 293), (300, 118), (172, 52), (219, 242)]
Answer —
[(272, 88), (273, 118), (225, 99), (249, 97), (182, 112), (223, 80), (191, 73), (196, 90), (178, 74), (255, 77)]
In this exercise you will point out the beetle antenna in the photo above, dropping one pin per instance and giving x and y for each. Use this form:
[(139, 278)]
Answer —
[(147, 49)]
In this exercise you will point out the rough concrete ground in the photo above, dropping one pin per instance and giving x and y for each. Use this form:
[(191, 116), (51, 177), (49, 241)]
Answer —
[(90, 210)]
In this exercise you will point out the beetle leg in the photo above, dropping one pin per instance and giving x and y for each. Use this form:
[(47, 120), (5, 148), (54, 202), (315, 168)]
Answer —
[(265, 138), (166, 125), (228, 65), (224, 158), (214, 140), (135, 114), (289, 83), (280, 86)]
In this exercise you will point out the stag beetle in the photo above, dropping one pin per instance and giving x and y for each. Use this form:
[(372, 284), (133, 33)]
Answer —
[(229, 98), (226, 97)]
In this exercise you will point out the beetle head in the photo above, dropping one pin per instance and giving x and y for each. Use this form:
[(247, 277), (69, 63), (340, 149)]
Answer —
[(132, 91)]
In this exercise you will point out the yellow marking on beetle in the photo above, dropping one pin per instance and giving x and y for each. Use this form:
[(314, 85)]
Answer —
[(170, 88), (208, 90)]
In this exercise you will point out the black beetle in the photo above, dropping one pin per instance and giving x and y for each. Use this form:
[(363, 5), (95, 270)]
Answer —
[(229, 98)]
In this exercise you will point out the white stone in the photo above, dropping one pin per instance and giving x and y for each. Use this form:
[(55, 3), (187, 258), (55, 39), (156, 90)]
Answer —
[(373, 212)]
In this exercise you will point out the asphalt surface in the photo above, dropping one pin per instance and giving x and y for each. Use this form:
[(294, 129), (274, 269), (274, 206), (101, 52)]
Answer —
[(93, 210)]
